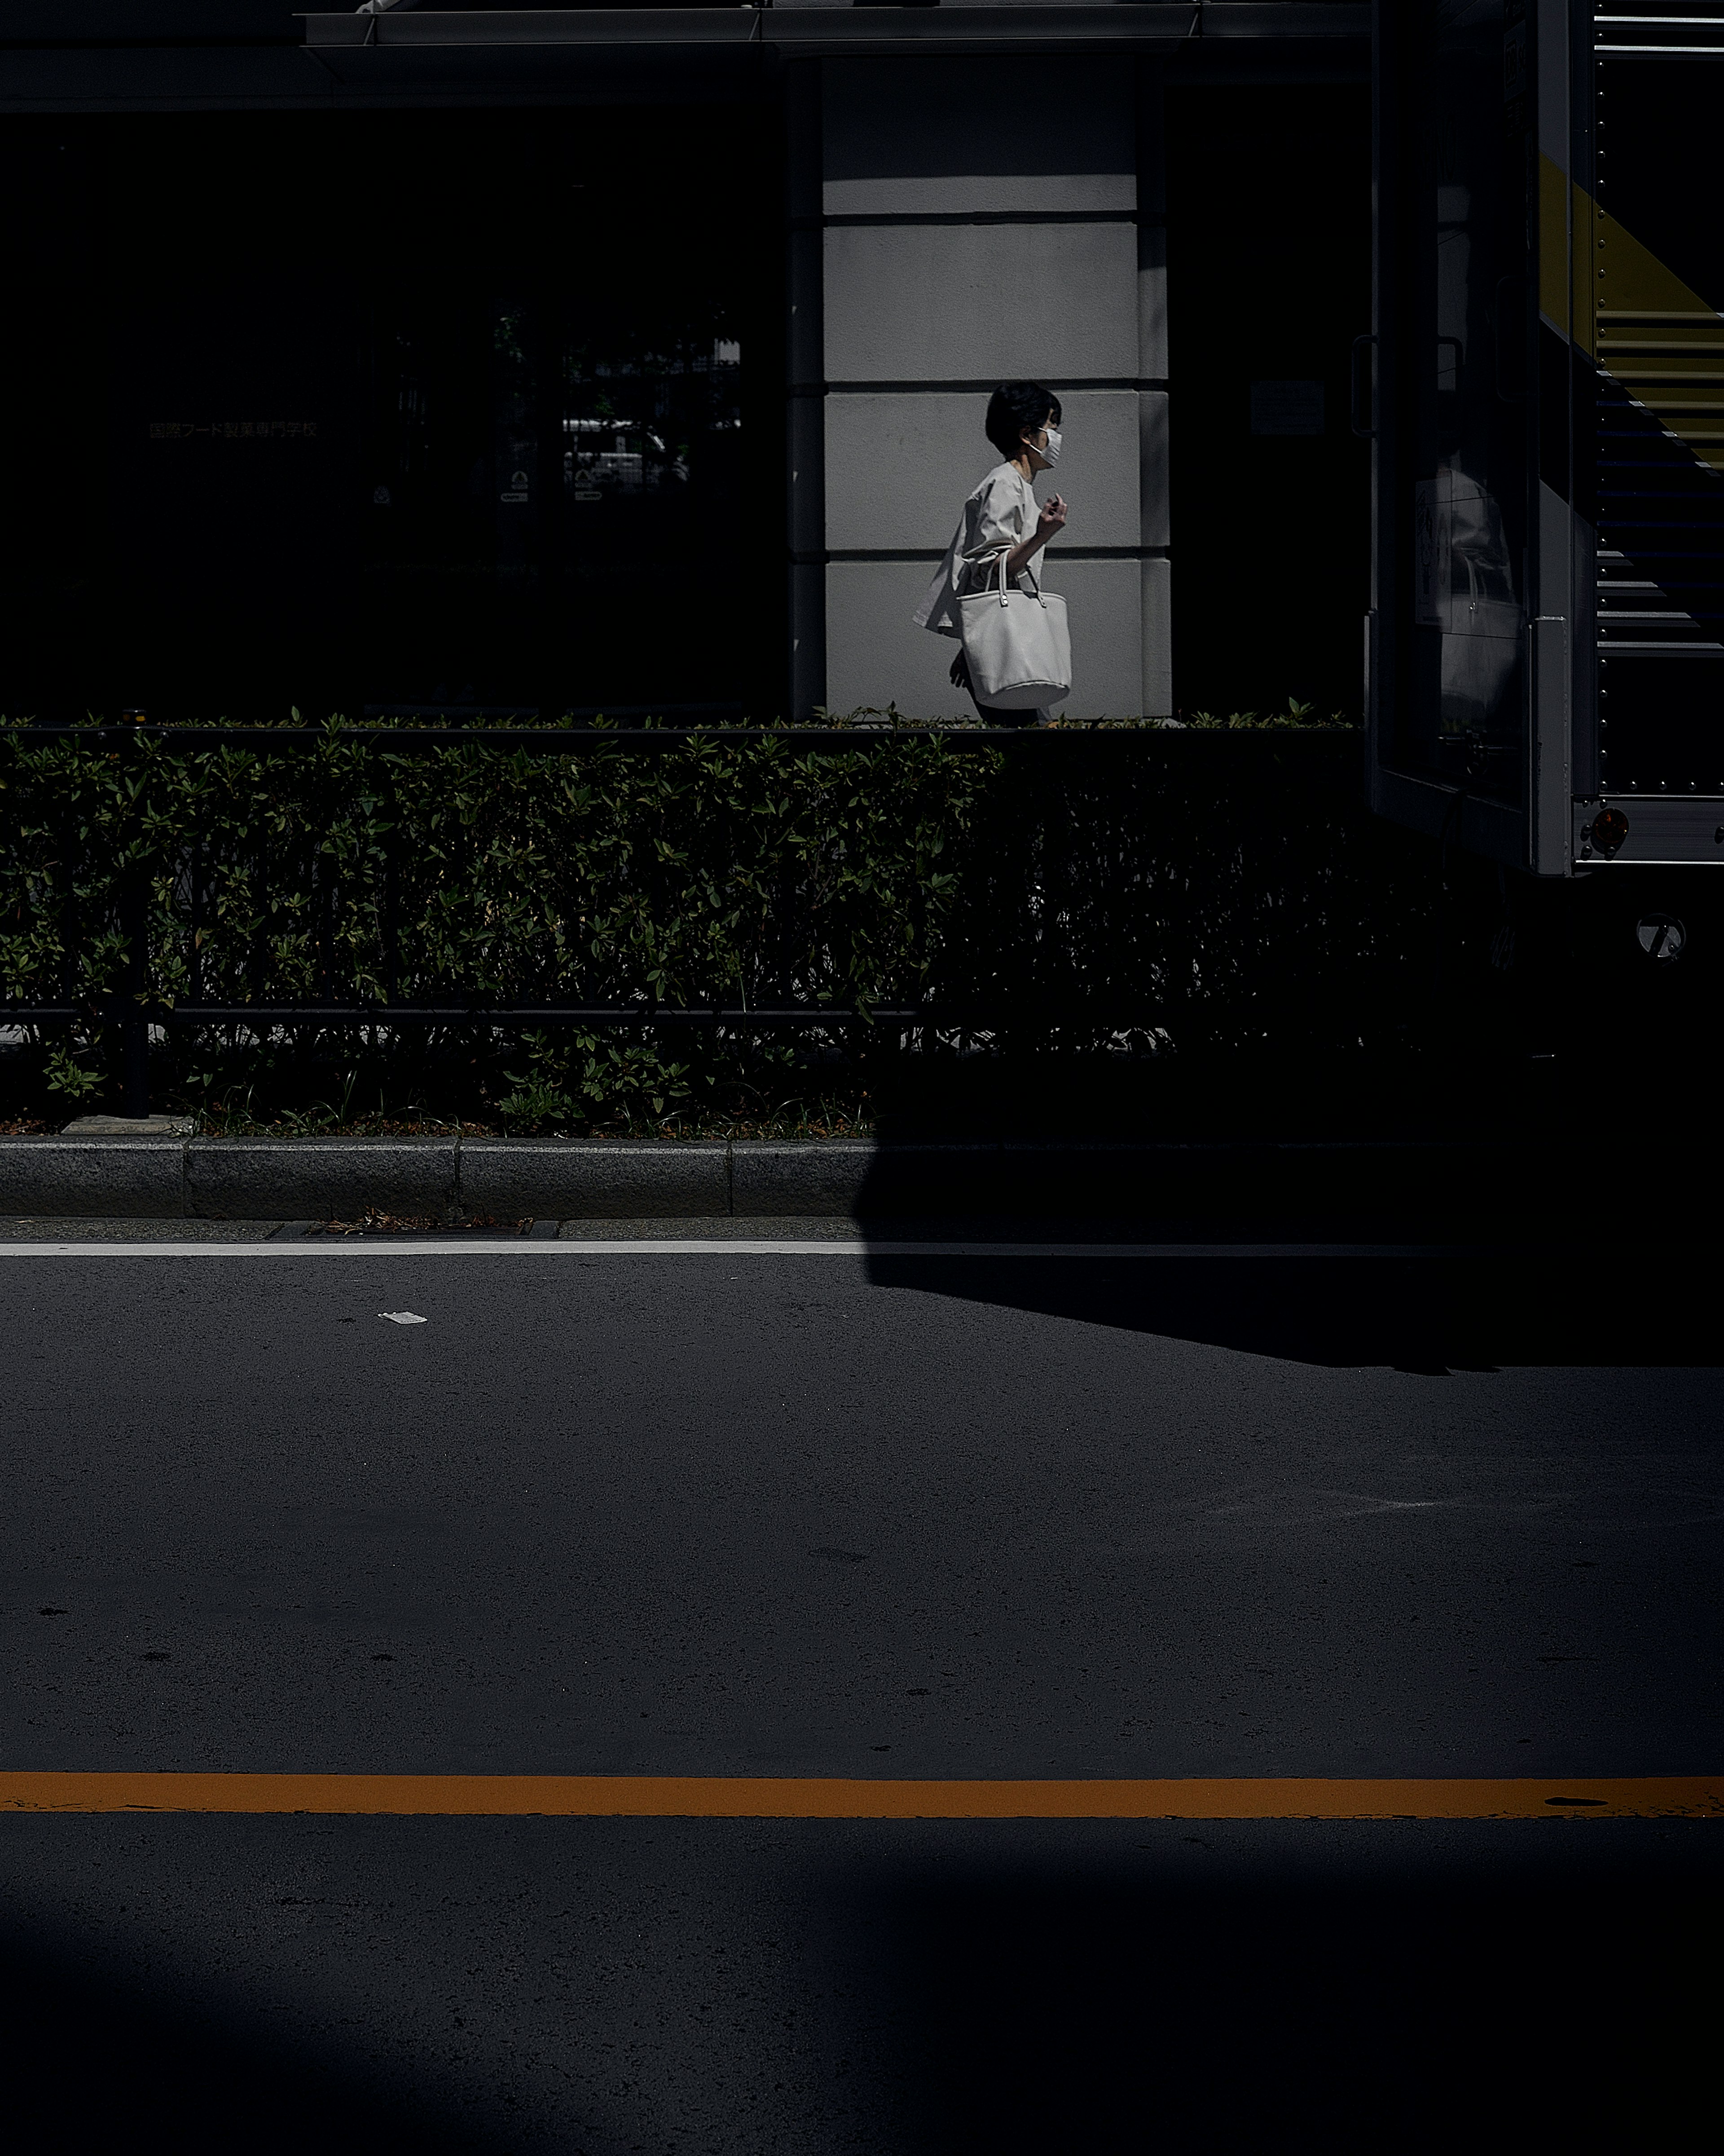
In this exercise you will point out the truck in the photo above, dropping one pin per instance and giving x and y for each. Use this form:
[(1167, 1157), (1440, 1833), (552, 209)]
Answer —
[(1542, 385)]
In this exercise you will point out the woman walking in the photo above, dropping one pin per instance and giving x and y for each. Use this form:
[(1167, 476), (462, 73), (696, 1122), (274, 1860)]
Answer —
[(1001, 517)]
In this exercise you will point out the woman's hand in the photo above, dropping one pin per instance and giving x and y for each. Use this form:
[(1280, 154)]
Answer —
[(1050, 521)]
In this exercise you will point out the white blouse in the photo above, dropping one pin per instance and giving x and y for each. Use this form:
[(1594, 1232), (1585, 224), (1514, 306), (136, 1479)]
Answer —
[(1001, 513)]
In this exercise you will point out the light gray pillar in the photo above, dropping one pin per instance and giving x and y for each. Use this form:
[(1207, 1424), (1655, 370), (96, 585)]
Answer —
[(1154, 506), (805, 512), (981, 222)]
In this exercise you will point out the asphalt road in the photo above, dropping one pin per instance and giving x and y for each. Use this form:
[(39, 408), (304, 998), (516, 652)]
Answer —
[(848, 1513)]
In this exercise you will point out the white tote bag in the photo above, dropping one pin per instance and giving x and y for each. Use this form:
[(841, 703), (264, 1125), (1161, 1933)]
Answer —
[(1017, 645)]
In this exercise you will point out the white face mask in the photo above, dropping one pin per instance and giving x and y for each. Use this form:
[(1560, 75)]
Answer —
[(1050, 451)]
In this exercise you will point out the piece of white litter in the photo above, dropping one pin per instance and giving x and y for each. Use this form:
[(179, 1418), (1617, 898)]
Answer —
[(403, 1317)]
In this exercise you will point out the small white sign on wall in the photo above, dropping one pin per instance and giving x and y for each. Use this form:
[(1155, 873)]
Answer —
[(1287, 407)]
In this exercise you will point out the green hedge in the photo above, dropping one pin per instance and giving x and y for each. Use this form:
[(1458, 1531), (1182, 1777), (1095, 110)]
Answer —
[(742, 872), (1205, 890)]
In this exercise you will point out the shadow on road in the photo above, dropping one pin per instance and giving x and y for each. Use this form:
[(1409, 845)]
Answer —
[(1456, 1311), (102, 2058), (1018, 1990), (1117, 2017)]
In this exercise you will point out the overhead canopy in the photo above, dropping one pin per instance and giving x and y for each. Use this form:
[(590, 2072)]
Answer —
[(357, 45)]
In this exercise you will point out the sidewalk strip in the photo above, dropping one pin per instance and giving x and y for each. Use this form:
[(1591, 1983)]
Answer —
[(860, 1246), (674, 1796)]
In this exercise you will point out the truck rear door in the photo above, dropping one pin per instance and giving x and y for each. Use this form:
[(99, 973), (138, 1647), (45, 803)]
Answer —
[(1545, 392)]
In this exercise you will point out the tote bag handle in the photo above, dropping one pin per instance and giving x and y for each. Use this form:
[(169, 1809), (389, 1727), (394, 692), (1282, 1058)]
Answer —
[(1005, 595)]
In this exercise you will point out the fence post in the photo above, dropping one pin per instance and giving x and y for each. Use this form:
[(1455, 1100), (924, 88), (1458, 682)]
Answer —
[(194, 955), (135, 1025), (392, 892)]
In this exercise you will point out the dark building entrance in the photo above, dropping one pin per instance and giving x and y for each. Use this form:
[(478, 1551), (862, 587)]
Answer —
[(434, 410)]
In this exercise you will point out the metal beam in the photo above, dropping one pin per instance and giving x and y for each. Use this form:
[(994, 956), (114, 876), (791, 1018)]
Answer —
[(810, 31)]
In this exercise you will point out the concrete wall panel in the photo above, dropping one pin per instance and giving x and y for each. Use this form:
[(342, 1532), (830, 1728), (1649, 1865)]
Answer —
[(956, 136), (875, 656), (967, 302), (922, 452), (1157, 639), (1152, 468), (923, 289), (1152, 302)]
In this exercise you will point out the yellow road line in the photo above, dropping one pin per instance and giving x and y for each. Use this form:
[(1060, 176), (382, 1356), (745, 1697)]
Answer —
[(702, 1796)]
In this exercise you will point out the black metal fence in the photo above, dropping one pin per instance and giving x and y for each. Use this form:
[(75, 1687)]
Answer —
[(1082, 891)]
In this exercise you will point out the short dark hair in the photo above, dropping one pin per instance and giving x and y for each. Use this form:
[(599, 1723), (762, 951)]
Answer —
[(1018, 408)]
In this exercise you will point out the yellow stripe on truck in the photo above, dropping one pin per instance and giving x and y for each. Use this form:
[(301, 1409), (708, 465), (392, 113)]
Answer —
[(1632, 314)]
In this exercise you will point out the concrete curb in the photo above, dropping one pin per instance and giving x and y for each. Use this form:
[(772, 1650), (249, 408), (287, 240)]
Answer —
[(1216, 1181), (112, 1179), (567, 1179)]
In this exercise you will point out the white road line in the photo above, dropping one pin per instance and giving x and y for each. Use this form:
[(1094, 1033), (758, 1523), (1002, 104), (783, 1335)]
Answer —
[(342, 1247)]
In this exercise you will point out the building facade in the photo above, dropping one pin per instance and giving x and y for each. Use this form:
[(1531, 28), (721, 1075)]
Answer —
[(633, 360)]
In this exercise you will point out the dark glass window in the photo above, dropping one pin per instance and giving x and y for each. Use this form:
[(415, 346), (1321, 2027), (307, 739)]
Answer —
[(1465, 715), (434, 410)]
